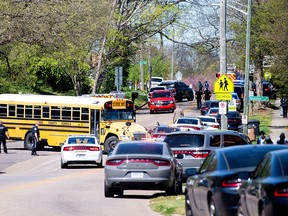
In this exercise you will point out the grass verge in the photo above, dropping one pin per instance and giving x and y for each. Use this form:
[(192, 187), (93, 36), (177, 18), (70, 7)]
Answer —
[(169, 205)]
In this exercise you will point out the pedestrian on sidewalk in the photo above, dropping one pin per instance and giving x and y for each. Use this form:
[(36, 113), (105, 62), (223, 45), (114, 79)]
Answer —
[(282, 139), (268, 140), (3, 135), (284, 105), (261, 138), (199, 98)]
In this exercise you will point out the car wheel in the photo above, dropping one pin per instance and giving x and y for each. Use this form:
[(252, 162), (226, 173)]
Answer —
[(151, 112), (108, 192), (188, 209), (212, 208), (63, 165), (110, 143), (173, 189), (172, 110), (262, 211), (240, 210), (180, 97), (28, 141), (119, 192), (191, 98), (100, 165), (179, 187)]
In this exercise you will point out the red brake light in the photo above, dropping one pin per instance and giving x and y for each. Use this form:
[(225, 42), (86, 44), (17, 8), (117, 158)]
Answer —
[(117, 162), (194, 153), (231, 183), (81, 148), (215, 126), (114, 162), (283, 192)]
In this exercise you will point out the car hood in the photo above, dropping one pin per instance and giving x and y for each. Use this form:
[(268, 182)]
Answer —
[(162, 99)]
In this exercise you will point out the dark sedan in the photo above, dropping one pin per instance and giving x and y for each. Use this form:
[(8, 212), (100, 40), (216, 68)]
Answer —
[(234, 120), (266, 193), (142, 165), (213, 189)]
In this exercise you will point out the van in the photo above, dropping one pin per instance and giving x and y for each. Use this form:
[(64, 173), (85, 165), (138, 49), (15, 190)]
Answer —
[(192, 147), (155, 81)]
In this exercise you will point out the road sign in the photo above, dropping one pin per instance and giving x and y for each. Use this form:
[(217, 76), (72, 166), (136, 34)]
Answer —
[(223, 85), (258, 98), (142, 62), (223, 96), (222, 108)]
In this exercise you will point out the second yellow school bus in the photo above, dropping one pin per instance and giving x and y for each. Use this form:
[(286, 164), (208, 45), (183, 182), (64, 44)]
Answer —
[(109, 119)]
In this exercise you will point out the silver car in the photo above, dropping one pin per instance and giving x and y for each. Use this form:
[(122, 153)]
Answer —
[(142, 165)]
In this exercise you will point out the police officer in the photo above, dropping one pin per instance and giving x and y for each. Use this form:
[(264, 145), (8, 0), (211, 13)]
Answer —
[(35, 138), (3, 134)]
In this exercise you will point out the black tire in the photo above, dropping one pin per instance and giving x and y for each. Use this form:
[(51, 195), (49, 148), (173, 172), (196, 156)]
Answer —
[(172, 111), (179, 187), (212, 207), (151, 112), (100, 165), (191, 98), (110, 143), (172, 190), (262, 211), (180, 98), (119, 192), (188, 209), (28, 143), (108, 192), (63, 165)]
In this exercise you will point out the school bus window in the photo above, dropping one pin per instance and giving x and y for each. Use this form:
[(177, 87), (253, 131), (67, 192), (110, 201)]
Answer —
[(20, 111), (46, 112), (28, 111), (11, 110), (37, 111), (76, 113), (3, 110), (55, 112), (85, 114), (66, 113)]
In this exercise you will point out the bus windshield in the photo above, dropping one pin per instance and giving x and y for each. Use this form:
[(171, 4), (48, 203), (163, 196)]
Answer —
[(112, 115)]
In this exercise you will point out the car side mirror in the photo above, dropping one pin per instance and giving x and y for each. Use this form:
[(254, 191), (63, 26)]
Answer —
[(191, 172)]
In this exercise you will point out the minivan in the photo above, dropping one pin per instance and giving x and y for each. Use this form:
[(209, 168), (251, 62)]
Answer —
[(192, 147)]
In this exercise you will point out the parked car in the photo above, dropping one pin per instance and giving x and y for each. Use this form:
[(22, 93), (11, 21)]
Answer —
[(213, 189), (211, 104), (213, 111), (189, 123), (192, 147), (155, 81), (205, 107), (81, 149), (152, 89), (179, 89), (210, 122), (266, 192), (268, 89), (162, 100), (162, 130), (142, 165), (234, 120)]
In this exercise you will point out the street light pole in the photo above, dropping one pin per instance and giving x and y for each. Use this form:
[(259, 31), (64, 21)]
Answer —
[(247, 68), (223, 52)]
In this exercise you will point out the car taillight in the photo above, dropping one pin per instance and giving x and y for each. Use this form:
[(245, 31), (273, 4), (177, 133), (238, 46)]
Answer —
[(117, 162), (215, 126), (231, 183), (242, 95), (81, 148), (193, 153), (283, 192), (190, 127)]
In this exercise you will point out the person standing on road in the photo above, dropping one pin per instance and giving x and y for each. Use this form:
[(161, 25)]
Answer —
[(35, 138), (199, 98), (282, 139), (200, 86), (3, 135), (207, 94), (206, 85), (177, 113)]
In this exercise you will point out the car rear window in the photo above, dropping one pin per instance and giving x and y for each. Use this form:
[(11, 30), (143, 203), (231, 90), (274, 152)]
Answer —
[(207, 120), (187, 121), (185, 140), (140, 148), (166, 129), (81, 140), (214, 104), (284, 163)]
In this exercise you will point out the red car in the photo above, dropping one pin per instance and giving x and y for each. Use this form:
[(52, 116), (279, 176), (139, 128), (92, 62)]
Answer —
[(162, 100)]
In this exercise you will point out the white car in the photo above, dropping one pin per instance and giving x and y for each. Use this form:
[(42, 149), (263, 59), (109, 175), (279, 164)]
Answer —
[(81, 149), (210, 122), (189, 123)]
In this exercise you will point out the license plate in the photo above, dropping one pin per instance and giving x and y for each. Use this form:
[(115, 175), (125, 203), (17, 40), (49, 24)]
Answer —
[(80, 155), (137, 175)]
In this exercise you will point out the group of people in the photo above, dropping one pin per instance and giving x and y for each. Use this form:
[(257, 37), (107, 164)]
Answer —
[(200, 94), (4, 134), (262, 139)]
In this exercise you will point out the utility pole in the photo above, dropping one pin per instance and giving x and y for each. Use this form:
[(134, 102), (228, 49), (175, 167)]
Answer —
[(223, 53), (172, 56), (247, 68)]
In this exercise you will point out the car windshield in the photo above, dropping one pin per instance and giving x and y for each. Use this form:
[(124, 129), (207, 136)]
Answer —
[(161, 94), (110, 115), (81, 140), (140, 148), (157, 88), (185, 140), (187, 121)]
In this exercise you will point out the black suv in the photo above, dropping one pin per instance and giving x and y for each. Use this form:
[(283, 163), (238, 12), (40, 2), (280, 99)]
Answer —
[(179, 89)]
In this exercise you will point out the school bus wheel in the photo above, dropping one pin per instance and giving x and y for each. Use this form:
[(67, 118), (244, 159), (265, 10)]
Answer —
[(110, 143), (28, 143)]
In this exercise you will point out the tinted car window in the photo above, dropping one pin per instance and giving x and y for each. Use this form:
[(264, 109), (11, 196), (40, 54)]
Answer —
[(215, 141), (81, 140), (185, 140), (187, 121), (156, 80), (214, 104), (232, 140), (166, 129), (161, 94), (140, 149), (284, 163), (206, 163), (203, 119)]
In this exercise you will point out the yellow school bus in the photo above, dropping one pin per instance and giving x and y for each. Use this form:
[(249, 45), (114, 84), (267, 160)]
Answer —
[(110, 119)]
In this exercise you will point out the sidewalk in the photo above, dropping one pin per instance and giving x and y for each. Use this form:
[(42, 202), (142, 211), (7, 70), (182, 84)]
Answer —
[(278, 124)]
